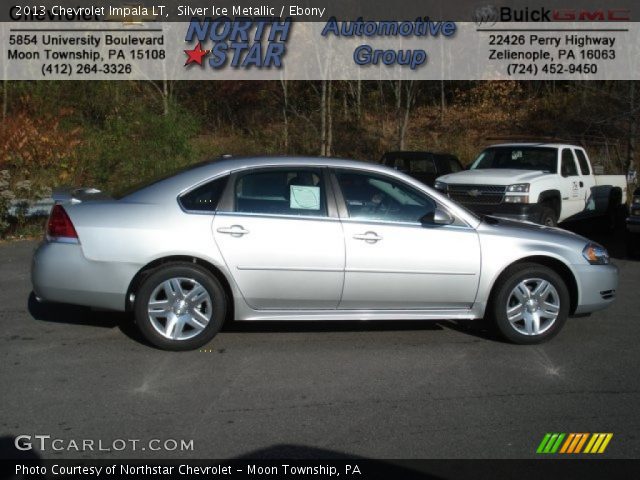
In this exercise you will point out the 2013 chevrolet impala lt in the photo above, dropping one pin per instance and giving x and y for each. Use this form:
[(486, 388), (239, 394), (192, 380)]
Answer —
[(310, 239)]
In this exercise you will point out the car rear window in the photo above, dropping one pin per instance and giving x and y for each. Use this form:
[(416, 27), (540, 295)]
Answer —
[(205, 197), (584, 163)]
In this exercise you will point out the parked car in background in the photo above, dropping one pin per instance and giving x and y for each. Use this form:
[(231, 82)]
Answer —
[(633, 226), (310, 239), (544, 183), (423, 166)]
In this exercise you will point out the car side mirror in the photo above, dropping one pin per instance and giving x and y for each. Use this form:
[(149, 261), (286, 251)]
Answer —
[(437, 217)]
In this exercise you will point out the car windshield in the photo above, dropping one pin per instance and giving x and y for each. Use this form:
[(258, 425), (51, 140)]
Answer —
[(411, 164), (519, 158)]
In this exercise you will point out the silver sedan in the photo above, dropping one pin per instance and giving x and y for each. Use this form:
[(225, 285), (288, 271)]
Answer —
[(288, 238)]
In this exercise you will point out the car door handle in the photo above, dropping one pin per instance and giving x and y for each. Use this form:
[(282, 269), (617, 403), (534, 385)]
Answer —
[(369, 237), (233, 230)]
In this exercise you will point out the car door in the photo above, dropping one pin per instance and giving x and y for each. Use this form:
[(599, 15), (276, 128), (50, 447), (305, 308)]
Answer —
[(393, 261), (573, 187), (281, 239)]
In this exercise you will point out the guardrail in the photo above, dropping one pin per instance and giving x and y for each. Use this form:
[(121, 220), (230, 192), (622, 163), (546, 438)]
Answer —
[(30, 208)]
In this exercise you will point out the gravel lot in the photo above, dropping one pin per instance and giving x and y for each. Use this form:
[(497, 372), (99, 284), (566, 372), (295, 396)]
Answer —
[(381, 390)]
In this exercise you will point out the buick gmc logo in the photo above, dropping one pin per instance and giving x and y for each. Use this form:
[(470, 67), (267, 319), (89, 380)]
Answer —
[(473, 193), (488, 15)]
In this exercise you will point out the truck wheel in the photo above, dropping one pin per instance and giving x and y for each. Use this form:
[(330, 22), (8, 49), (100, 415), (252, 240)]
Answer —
[(548, 217), (530, 304)]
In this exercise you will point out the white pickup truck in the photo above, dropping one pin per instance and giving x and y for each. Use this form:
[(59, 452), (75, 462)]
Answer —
[(544, 183)]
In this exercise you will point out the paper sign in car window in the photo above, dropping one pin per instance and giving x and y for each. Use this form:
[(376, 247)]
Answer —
[(305, 197)]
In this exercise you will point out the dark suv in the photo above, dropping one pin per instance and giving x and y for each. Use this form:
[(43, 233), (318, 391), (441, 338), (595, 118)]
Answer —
[(423, 166), (633, 225)]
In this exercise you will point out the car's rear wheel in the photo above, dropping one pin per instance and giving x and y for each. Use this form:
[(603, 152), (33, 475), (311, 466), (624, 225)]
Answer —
[(530, 304), (180, 306)]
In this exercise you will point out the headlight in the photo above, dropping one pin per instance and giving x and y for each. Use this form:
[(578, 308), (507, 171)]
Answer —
[(516, 199), (518, 188), (441, 186), (595, 254), (636, 200)]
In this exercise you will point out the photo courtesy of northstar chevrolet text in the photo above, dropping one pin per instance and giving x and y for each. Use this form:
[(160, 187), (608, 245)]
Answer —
[(288, 239)]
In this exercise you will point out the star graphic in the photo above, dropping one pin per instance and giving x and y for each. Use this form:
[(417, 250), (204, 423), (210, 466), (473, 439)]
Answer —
[(195, 55)]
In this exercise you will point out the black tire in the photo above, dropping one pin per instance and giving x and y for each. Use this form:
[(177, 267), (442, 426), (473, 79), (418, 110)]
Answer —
[(633, 245), (502, 294), (616, 213), (548, 217), (218, 305)]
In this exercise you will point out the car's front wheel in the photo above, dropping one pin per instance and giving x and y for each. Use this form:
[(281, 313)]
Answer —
[(180, 306), (548, 217), (530, 303)]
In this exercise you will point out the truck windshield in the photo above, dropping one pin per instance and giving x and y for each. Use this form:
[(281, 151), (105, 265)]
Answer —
[(519, 158)]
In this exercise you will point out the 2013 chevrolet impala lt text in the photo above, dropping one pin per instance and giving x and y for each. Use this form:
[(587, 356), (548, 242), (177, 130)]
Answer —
[(288, 238)]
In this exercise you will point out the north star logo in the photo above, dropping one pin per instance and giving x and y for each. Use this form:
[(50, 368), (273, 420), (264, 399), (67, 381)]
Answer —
[(239, 43), (195, 55)]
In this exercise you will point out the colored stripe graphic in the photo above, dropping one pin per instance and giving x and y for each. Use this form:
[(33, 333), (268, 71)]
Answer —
[(544, 441), (567, 442), (598, 442), (550, 443), (573, 443)]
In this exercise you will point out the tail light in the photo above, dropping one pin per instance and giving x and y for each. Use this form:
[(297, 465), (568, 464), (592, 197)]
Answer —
[(60, 228)]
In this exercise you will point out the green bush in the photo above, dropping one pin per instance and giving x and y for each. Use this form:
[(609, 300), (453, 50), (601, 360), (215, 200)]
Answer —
[(134, 145)]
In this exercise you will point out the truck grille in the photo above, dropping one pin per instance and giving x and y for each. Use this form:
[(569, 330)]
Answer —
[(477, 194)]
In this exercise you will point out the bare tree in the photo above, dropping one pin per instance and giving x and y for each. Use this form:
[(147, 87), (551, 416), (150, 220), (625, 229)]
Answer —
[(323, 119), (633, 128), (285, 112), (404, 92), (326, 118)]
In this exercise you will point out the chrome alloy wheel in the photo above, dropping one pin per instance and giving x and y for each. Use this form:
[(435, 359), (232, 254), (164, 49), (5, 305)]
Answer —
[(180, 308), (533, 306)]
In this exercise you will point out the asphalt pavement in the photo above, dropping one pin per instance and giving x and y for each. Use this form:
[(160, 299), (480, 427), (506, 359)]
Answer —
[(395, 389)]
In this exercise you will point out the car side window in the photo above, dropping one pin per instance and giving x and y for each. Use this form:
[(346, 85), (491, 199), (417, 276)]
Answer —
[(281, 192), (584, 163), (447, 164), (422, 165), (375, 197), (454, 165), (205, 197), (568, 164)]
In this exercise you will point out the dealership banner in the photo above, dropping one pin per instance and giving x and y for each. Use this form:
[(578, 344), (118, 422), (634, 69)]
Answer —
[(356, 468), (318, 41)]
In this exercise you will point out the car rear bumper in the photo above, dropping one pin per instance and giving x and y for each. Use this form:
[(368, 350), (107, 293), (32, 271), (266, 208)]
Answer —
[(514, 211), (61, 273), (597, 285)]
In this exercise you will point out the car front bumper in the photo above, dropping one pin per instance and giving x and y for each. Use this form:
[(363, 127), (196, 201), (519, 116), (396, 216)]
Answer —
[(61, 273), (597, 285)]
